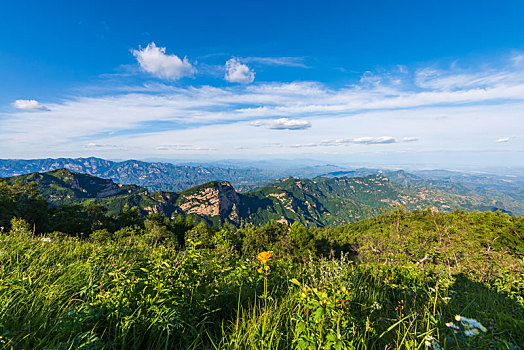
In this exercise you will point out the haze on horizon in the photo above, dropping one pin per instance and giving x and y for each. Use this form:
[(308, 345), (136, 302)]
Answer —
[(414, 84)]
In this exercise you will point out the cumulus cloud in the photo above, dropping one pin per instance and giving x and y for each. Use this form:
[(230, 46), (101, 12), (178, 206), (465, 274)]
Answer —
[(31, 105), (503, 140), (283, 124), (237, 72), (485, 102), (153, 59)]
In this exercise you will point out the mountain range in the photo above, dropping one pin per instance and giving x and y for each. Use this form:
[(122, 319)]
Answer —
[(155, 176), (320, 201), (492, 190)]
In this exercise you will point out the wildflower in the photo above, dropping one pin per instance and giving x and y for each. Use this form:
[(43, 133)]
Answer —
[(432, 342), (471, 332), (471, 323), (264, 257), (45, 239), (470, 326), (260, 270), (377, 306), (452, 326), (266, 267)]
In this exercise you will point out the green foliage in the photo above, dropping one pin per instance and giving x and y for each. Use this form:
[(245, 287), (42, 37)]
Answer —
[(20, 228), (317, 202), (124, 282), (101, 236)]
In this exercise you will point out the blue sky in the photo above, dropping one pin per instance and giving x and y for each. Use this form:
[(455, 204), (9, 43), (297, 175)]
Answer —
[(433, 83)]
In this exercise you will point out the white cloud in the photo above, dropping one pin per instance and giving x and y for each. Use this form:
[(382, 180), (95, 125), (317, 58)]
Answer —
[(503, 140), (374, 140), (278, 61), (32, 105), (182, 148), (366, 140), (154, 60), (102, 147), (479, 104), (283, 124), (237, 72)]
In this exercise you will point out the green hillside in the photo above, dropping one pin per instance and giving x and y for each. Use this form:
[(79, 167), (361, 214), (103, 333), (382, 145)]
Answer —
[(312, 202), (505, 191), (336, 201)]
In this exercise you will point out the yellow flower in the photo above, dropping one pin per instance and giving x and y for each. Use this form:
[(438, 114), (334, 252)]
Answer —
[(266, 267), (264, 257), (259, 270)]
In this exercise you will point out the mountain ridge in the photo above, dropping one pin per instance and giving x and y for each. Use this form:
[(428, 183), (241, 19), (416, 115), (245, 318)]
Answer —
[(313, 202)]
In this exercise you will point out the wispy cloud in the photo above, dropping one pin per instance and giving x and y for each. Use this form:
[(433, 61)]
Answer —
[(278, 61), (154, 60), (374, 140), (503, 140), (366, 140), (478, 103), (237, 72), (30, 105), (183, 148), (283, 124), (100, 147)]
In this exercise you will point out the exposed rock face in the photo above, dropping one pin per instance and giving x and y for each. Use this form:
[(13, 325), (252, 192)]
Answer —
[(216, 199), (110, 189)]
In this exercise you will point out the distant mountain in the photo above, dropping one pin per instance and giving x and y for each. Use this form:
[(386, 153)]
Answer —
[(153, 176), (334, 201), (313, 202), (504, 191)]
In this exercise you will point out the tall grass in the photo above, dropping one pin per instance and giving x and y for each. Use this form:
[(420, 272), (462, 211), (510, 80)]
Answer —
[(65, 293)]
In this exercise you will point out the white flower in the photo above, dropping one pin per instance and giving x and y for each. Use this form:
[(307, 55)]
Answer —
[(377, 306), (432, 342), (471, 332), (452, 326), (470, 323), (427, 340), (45, 239)]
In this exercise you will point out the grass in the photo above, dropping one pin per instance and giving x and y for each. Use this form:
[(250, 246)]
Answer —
[(66, 293)]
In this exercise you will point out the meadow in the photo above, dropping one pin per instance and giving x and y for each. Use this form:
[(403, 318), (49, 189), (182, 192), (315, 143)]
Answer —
[(409, 280)]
